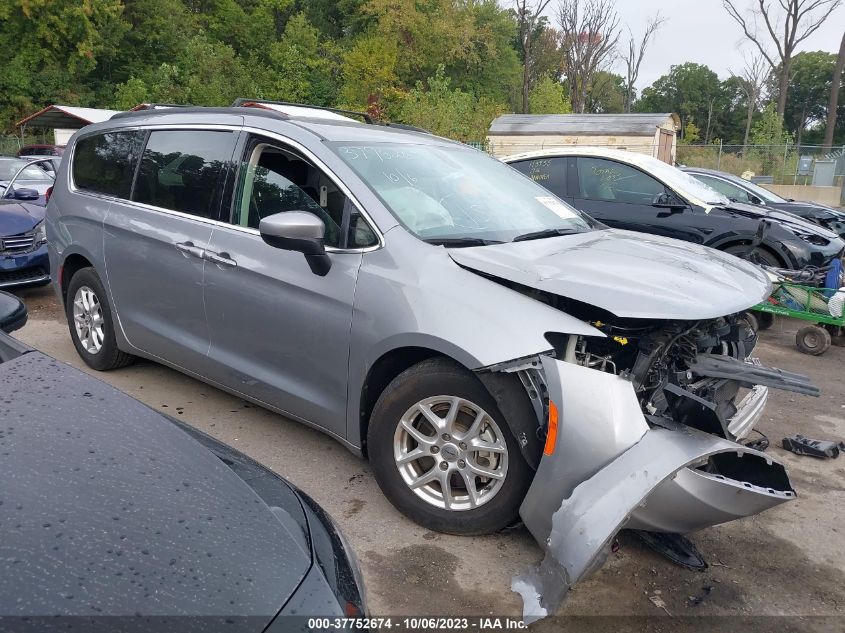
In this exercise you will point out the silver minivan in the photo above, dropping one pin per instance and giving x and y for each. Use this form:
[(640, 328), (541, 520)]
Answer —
[(492, 351)]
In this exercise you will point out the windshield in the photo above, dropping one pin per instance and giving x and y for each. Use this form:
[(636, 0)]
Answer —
[(455, 193), (761, 192), (9, 167), (684, 183)]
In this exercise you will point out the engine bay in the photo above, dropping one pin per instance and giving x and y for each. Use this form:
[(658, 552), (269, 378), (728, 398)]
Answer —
[(693, 373)]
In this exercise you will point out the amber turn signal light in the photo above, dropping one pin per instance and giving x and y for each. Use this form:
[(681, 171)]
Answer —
[(551, 433)]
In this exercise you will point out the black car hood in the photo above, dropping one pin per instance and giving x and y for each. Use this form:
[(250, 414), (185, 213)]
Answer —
[(106, 508), (817, 210), (17, 217), (755, 211)]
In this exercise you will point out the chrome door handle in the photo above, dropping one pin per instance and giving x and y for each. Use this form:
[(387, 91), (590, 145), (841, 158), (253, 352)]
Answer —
[(221, 259), (188, 249)]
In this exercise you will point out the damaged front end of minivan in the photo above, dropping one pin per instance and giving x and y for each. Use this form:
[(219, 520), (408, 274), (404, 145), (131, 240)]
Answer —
[(641, 428)]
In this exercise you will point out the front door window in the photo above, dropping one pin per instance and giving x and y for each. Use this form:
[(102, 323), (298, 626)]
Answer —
[(275, 180), (609, 181)]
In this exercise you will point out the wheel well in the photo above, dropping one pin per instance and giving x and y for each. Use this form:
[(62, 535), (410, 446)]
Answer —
[(381, 373), (765, 247), (70, 267)]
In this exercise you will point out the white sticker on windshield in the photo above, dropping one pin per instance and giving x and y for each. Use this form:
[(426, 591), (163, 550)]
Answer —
[(556, 206)]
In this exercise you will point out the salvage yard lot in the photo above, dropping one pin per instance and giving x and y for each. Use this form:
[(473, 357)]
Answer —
[(788, 561)]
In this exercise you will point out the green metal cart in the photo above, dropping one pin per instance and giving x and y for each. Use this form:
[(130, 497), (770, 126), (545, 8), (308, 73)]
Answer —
[(808, 304)]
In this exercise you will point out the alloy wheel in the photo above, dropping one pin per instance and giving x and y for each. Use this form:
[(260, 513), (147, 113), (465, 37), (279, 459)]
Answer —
[(451, 453), (88, 320)]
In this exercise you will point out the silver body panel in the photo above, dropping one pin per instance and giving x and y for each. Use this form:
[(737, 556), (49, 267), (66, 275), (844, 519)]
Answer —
[(279, 333), (157, 289), (585, 523), (610, 471)]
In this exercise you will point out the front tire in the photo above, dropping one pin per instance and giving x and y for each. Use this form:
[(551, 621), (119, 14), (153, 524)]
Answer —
[(758, 255), (765, 320), (90, 321), (442, 451)]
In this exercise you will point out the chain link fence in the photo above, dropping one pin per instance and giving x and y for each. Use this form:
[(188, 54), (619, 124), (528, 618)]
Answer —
[(772, 164), (9, 145)]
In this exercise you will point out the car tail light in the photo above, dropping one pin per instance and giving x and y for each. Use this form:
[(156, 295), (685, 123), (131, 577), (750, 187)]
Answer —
[(48, 194), (551, 433)]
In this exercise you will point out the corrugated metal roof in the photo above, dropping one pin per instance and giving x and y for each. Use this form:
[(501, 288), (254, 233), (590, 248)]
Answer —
[(579, 124), (67, 117)]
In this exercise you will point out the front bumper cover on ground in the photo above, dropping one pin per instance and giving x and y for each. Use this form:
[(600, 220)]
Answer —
[(611, 471)]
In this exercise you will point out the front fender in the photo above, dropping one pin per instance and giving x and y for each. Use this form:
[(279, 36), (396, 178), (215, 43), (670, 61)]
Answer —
[(411, 294), (774, 245)]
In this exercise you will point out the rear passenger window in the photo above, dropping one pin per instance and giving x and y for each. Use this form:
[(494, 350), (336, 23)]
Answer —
[(182, 170), (105, 163)]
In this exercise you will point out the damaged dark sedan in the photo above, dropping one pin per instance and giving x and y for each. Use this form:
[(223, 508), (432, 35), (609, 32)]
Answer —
[(492, 351)]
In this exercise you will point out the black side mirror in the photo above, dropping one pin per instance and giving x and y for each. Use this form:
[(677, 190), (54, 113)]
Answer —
[(298, 231), (755, 200), (666, 200), (12, 312), (25, 194)]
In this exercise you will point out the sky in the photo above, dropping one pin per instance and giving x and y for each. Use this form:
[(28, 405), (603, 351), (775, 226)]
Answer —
[(701, 31)]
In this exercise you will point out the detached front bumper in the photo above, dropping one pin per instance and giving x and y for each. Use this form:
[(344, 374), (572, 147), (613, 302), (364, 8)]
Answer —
[(610, 471)]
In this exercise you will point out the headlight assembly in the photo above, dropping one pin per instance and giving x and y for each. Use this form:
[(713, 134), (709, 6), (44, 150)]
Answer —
[(40, 234), (808, 236)]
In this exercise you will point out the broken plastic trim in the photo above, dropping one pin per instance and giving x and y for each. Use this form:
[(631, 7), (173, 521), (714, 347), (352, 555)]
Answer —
[(586, 522), (751, 374)]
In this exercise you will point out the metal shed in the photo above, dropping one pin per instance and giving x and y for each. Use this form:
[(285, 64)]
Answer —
[(65, 120), (652, 134)]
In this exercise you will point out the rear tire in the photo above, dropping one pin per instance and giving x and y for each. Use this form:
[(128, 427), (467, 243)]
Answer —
[(428, 428), (91, 324), (813, 340)]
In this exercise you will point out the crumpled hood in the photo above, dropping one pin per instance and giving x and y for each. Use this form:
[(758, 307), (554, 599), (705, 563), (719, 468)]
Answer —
[(630, 274), (16, 218), (780, 216), (818, 210)]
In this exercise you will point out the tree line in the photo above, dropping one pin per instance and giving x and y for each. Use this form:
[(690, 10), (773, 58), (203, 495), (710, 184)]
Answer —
[(450, 66)]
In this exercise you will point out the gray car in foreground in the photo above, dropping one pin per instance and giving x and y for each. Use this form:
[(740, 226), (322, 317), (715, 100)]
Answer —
[(492, 351)]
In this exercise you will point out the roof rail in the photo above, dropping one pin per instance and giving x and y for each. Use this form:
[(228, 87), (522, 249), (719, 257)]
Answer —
[(158, 106), (244, 102)]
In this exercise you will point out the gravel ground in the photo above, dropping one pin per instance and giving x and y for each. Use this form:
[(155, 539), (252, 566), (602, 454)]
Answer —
[(786, 562)]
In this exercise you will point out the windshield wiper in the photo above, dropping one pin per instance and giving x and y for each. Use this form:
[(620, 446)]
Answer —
[(458, 242), (539, 235)]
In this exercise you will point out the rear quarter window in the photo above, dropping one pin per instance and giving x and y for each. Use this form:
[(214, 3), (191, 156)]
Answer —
[(105, 163)]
